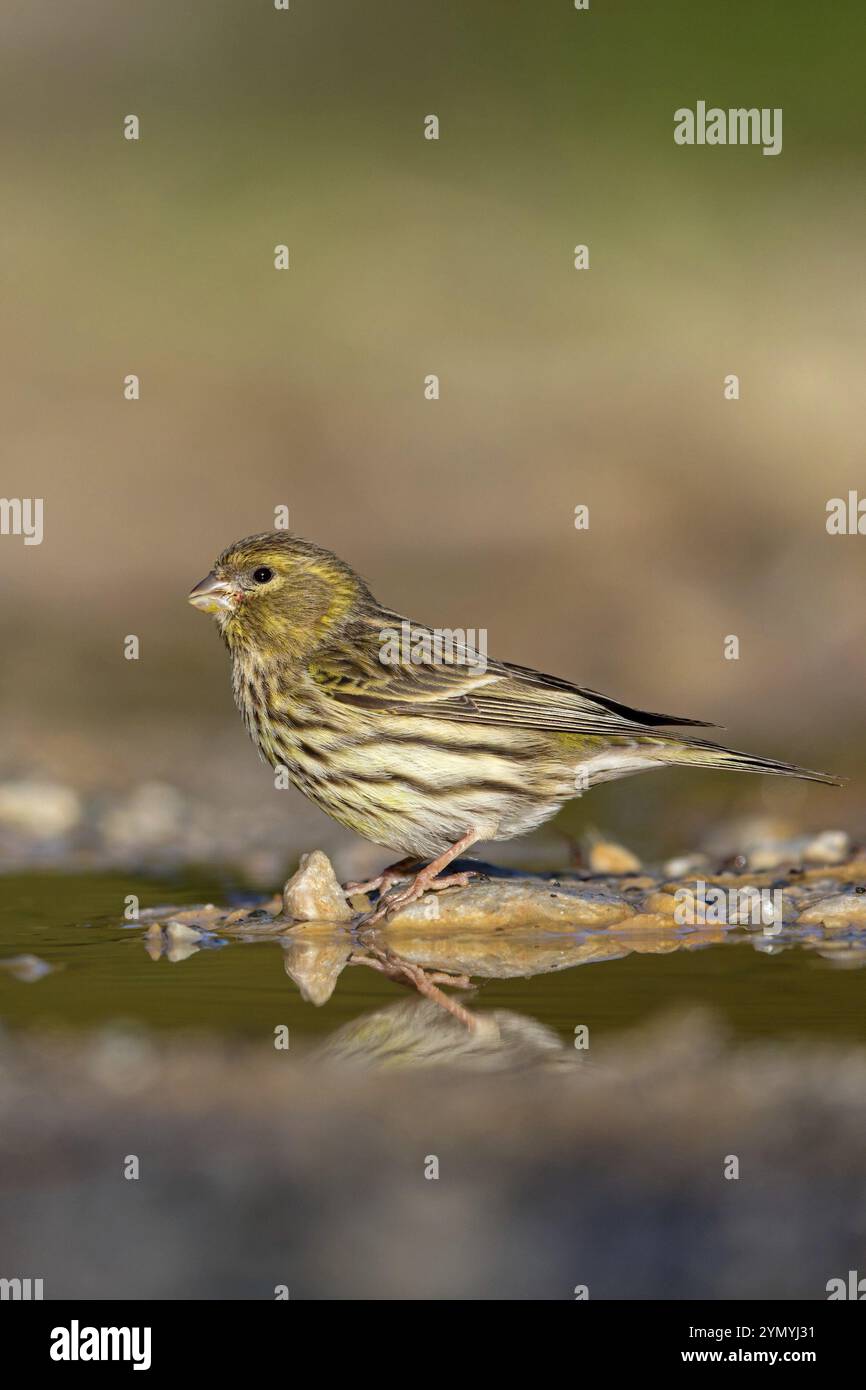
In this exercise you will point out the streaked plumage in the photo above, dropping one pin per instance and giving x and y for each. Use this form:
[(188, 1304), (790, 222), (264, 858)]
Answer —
[(417, 756)]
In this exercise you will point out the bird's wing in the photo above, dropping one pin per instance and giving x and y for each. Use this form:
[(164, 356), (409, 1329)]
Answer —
[(461, 684)]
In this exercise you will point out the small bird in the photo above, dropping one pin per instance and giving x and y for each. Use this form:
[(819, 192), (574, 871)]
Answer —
[(422, 746)]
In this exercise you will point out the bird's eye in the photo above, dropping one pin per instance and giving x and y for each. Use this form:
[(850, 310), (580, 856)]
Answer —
[(262, 574)]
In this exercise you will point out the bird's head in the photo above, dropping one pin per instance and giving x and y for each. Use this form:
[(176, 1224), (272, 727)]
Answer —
[(275, 595)]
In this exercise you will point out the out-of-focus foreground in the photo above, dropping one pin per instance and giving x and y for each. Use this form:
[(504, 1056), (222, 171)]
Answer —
[(316, 1176)]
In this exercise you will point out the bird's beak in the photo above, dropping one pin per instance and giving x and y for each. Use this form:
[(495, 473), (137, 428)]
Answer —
[(211, 595)]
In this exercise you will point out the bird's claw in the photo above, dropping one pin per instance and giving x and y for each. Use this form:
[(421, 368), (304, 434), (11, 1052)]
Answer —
[(383, 881), (393, 900)]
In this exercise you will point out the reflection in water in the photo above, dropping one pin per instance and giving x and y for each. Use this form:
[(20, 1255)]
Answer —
[(442, 1029), (417, 1033), (164, 969), (315, 966), (445, 967)]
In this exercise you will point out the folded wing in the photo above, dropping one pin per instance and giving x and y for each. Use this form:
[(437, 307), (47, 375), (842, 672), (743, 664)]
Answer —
[(461, 684)]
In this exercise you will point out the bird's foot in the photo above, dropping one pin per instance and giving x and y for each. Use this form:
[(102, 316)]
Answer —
[(426, 982), (422, 883), (392, 965), (383, 881), (431, 876)]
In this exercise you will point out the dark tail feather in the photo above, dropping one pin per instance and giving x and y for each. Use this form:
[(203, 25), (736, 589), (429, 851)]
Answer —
[(642, 716), (698, 753)]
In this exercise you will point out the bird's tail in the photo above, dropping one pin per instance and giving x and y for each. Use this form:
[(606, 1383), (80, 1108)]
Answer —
[(700, 753)]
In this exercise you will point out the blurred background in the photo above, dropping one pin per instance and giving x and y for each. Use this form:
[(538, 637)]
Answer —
[(305, 389), (409, 257)]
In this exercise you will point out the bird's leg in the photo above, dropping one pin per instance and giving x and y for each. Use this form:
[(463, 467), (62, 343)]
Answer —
[(389, 963), (426, 878), (385, 879), (425, 981)]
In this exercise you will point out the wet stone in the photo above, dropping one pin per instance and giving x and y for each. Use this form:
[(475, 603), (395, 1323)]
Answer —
[(502, 925), (515, 903), (838, 911), (313, 894)]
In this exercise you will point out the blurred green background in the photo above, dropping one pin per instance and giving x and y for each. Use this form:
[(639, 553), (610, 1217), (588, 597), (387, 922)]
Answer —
[(409, 257)]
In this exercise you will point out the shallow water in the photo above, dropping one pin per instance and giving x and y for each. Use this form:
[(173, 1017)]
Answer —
[(101, 972)]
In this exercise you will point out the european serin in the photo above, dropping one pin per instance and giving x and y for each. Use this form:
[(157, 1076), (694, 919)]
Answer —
[(421, 745)]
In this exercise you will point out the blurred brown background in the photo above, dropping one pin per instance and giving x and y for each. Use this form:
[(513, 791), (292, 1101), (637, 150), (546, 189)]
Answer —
[(409, 257)]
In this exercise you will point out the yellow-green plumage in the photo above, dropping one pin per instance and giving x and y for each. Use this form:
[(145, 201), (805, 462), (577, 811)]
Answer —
[(416, 756)]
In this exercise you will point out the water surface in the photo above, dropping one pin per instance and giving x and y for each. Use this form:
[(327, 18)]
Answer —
[(102, 972)]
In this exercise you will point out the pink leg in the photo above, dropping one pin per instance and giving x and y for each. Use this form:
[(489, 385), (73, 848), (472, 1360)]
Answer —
[(383, 881), (426, 878), (425, 981)]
